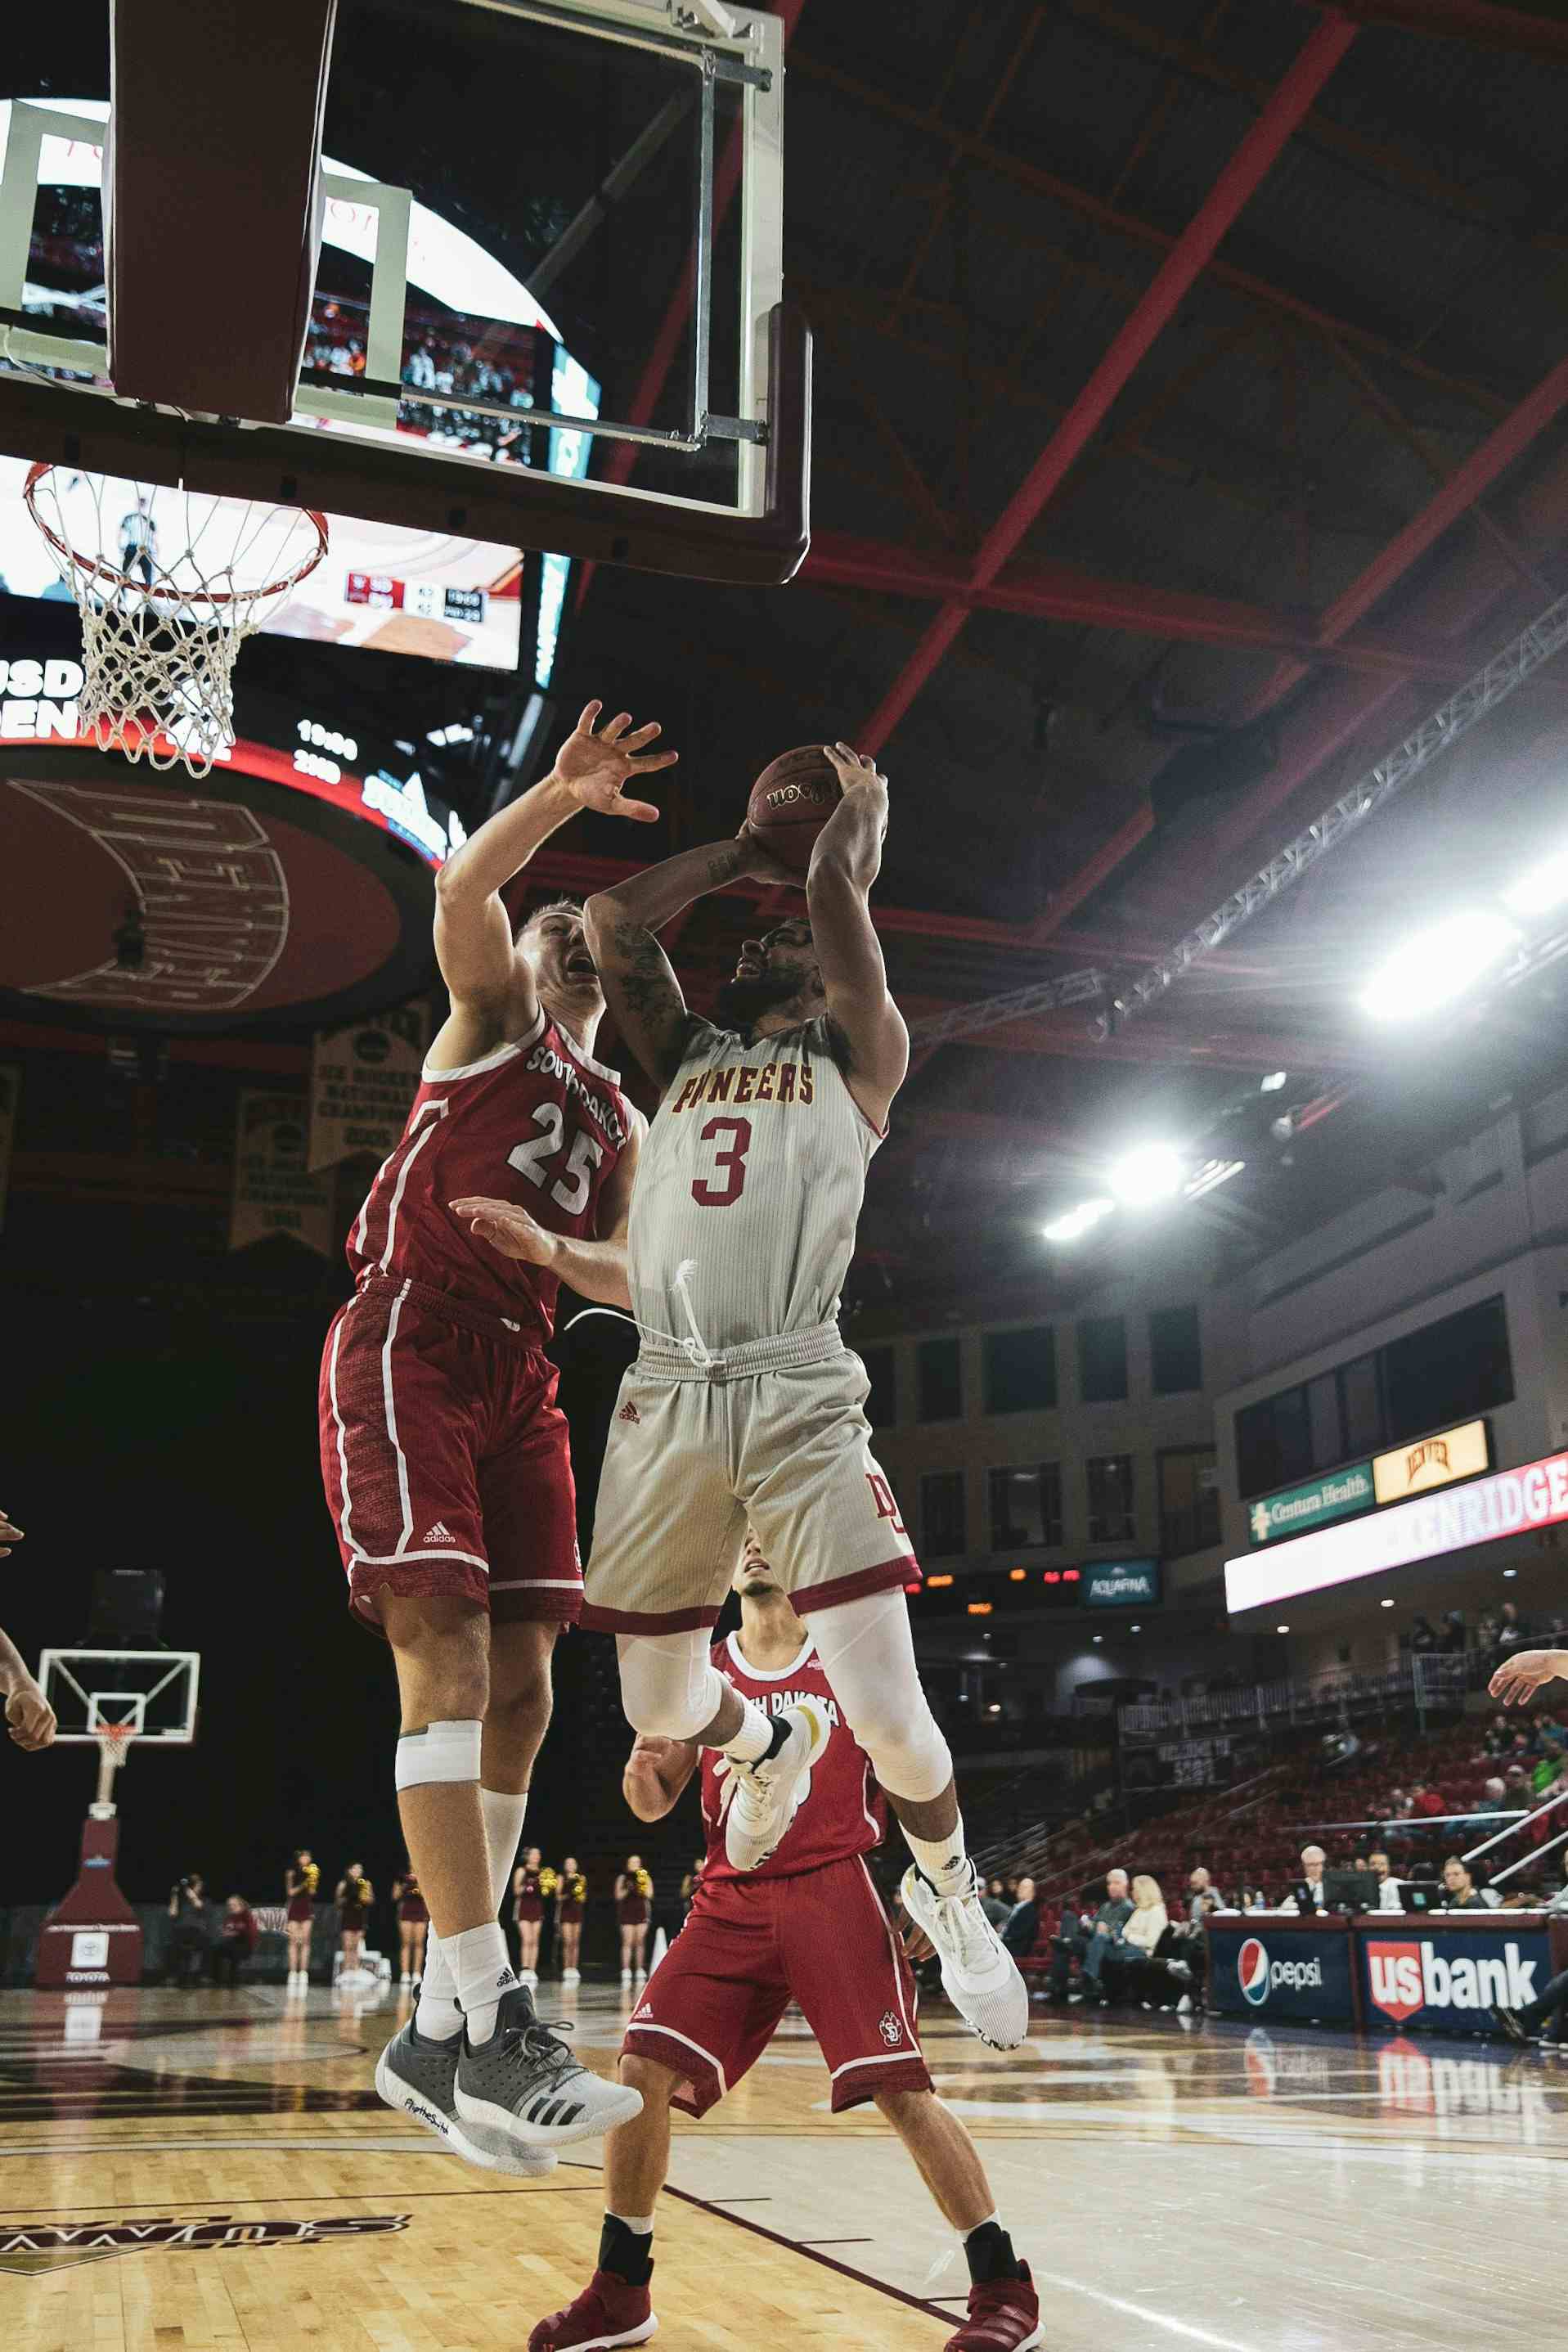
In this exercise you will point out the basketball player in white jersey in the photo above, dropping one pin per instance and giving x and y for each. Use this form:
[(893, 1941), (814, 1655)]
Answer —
[(744, 1402)]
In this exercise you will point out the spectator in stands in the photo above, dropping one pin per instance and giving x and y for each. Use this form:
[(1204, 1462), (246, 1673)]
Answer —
[(1254, 1898), (995, 1904), (1105, 1940), (1022, 1924), (1141, 1940), (1454, 1631), (188, 1910), (1498, 1740), (1461, 1891), (1311, 1897), (1423, 1635), (1400, 1806), (1494, 1803), (1548, 1771), (1388, 1887), (238, 1934), (1427, 1803), (1489, 1625), (1513, 1632), (1202, 1896)]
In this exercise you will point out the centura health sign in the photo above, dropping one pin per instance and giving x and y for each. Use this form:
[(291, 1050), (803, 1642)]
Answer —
[(1296, 1510), (1506, 1504)]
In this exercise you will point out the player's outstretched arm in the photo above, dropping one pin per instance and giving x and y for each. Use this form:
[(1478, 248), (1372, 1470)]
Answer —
[(595, 1269), (844, 864), (656, 1772), (29, 1717), (1525, 1671), (473, 931), (639, 983)]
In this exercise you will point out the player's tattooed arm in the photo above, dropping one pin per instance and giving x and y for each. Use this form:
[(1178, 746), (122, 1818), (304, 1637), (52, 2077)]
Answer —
[(845, 862), (593, 1268), (656, 1772), (29, 1717), (639, 983)]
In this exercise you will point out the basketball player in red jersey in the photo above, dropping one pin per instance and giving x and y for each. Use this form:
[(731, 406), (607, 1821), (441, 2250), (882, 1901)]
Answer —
[(808, 1926), (445, 1458), (28, 1716)]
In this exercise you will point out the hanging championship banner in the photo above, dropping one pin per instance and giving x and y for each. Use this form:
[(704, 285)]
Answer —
[(363, 1081), (274, 1193), (10, 1098)]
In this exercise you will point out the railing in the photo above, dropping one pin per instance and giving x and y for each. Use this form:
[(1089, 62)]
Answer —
[(1423, 1679)]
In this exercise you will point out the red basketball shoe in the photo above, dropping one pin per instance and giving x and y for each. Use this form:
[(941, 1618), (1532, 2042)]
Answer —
[(608, 2312), (1004, 2316)]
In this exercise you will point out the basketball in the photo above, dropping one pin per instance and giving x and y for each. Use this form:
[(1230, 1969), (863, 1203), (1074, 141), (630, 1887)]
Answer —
[(790, 803)]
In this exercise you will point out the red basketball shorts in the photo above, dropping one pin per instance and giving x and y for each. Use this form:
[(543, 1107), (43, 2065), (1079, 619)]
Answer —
[(445, 1457), (753, 1945)]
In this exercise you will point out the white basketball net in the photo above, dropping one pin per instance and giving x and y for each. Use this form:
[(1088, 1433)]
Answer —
[(169, 584), (113, 1746)]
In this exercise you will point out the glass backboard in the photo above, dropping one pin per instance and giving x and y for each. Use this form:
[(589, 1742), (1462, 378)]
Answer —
[(548, 304)]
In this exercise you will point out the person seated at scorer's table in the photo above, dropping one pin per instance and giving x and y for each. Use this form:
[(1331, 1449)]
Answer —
[(1106, 1936), (1308, 1891), (1022, 1925), (1461, 1891)]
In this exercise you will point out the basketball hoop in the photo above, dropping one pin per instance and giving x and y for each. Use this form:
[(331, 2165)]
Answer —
[(169, 586), (113, 1746)]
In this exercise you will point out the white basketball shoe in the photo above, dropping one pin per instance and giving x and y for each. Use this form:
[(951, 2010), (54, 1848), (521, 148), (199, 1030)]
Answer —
[(980, 1975)]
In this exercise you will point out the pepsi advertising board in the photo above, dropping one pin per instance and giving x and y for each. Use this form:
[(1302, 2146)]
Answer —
[(1450, 1979), (1267, 1967)]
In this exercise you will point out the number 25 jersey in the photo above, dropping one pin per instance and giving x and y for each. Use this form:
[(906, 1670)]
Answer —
[(537, 1122), (752, 1176)]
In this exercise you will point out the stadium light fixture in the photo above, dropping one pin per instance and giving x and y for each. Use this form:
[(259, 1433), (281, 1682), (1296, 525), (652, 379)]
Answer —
[(1153, 1172), (1273, 1082), (1075, 1223), (1438, 964), (1542, 889)]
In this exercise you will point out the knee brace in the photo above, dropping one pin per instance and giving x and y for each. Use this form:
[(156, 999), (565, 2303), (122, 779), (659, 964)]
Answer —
[(868, 1656), (442, 1751), (669, 1685)]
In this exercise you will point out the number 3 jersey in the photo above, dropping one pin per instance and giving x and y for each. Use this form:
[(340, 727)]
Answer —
[(751, 1180), (538, 1122)]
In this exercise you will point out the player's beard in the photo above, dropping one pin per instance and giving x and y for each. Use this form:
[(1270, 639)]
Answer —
[(741, 1004)]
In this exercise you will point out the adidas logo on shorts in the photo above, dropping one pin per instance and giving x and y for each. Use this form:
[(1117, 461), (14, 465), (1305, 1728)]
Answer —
[(439, 1533), (628, 1412)]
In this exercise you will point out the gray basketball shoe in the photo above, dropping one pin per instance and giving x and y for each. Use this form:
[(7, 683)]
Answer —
[(525, 2083), (418, 2076)]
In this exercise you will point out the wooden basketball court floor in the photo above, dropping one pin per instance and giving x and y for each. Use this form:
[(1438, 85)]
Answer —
[(214, 2171)]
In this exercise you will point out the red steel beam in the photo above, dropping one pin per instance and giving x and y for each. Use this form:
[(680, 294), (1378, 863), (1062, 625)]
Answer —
[(1061, 592), (1473, 21), (1455, 604), (661, 357), (1190, 255)]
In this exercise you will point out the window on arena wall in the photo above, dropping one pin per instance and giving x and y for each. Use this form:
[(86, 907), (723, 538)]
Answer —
[(941, 1380), (1112, 1518), (882, 1406), (1020, 1369), (1175, 1350), (1102, 1360), (943, 1533), (1026, 1507), (1447, 1372), (1189, 1499)]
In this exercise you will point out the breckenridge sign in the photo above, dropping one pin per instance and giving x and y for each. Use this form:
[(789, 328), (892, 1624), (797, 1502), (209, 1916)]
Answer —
[(1509, 1503)]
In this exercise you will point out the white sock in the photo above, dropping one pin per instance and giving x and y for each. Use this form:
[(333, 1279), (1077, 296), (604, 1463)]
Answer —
[(640, 2225), (755, 1737), (437, 2015), (482, 1971), (944, 1862), (504, 1817)]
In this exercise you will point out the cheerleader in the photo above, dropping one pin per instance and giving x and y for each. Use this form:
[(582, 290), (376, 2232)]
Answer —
[(413, 1920), (355, 1896), (528, 1911), (301, 1881), (633, 1894), (572, 1891)]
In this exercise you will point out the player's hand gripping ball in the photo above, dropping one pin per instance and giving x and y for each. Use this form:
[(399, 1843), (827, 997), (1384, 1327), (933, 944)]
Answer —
[(790, 803)]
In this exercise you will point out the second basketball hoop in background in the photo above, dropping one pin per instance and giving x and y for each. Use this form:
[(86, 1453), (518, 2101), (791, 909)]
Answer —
[(169, 586)]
